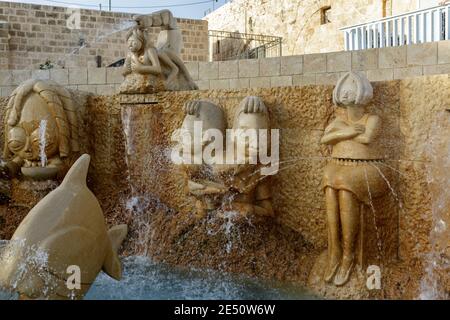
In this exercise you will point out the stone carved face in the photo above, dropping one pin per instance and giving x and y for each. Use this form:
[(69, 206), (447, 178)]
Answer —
[(209, 115), (134, 44), (25, 141), (347, 94), (24, 138), (252, 114), (352, 88), (40, 115)]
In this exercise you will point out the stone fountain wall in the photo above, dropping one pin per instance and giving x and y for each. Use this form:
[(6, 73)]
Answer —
[(135, 181)]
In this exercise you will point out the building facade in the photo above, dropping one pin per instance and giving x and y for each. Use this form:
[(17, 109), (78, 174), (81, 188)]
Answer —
[(306, 26)]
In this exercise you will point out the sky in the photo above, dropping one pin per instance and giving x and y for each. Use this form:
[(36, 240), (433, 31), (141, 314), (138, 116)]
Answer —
[(196, 9)]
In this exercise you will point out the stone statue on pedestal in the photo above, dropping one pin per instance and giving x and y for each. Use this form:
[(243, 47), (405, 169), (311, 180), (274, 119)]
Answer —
[(150, 68)]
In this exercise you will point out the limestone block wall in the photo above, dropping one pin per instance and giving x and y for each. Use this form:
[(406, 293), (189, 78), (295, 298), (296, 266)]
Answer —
[(37, 33), (378, 64), (4, 45), (299, 22)]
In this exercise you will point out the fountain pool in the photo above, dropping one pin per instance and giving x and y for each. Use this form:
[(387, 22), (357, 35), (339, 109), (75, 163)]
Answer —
[(144, 279)]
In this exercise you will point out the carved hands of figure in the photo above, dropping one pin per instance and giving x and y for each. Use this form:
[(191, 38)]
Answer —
[(340, 131), (192, 107), (205, 187), (253, 104), (163, 19), (363, 133)]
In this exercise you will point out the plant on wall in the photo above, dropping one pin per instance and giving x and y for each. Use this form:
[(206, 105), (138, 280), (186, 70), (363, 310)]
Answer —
[(46, 66)]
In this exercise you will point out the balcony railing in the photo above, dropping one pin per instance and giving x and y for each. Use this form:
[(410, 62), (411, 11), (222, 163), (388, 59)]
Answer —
[(420, 26), (226, 45)]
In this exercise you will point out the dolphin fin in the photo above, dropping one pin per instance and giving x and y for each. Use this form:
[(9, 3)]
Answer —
[(112, 264), (77, 174)]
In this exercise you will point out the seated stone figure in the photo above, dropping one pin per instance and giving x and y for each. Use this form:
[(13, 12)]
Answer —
[(168, 47), (352, 178), (41, 129), (142, 70), (203, 184), (250, 192)]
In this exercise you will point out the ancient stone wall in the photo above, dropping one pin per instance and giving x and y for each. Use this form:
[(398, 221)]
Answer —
[(377, 64), (299, 22), (38, 33)]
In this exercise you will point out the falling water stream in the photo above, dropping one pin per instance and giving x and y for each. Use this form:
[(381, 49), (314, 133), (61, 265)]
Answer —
[(438, 258), (136, 203), (42, 142), (124, 25)]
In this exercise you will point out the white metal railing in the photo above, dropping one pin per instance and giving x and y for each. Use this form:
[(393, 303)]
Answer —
[(419, 26)]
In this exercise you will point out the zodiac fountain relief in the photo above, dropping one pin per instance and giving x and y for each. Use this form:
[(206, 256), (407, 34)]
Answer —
[(250, 193), (41, 130), (352, 179), (223, 187), (203, 184)]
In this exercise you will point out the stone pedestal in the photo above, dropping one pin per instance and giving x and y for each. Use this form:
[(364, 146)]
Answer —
[(355, 288), (135, 83)]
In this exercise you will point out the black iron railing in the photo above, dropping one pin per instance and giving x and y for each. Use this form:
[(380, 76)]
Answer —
[(225, 45)]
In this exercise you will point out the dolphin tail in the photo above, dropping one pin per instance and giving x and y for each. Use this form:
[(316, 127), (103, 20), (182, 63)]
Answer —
[(112, 263)]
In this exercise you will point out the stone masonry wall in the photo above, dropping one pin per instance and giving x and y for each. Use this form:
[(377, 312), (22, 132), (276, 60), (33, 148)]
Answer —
[(378, 64), (34, 33), (299, 22)]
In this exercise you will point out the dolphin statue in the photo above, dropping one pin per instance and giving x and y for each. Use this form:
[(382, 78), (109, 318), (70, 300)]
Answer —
[(63, 236)]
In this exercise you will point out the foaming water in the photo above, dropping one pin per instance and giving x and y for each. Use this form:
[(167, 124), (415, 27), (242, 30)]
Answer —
[(144, 279), (22, 259)]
